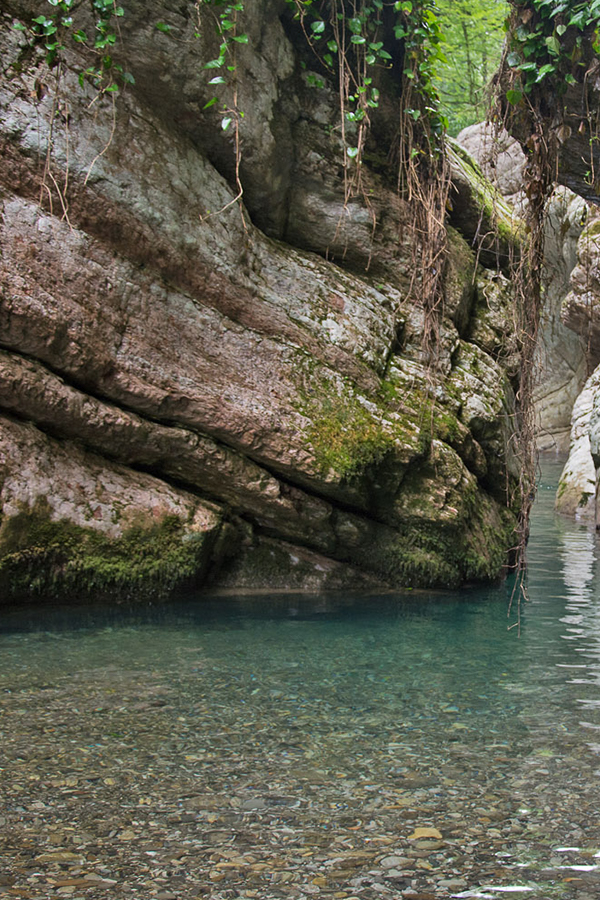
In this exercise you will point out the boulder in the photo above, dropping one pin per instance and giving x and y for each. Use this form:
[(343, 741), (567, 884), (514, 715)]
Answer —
[(72, 523), (498, 154), (260, 357)]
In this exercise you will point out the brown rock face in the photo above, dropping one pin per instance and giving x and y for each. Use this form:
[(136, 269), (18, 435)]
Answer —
[(248, 379)]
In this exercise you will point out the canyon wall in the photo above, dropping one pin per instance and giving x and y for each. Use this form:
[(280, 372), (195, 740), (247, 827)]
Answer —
[(201, 392)]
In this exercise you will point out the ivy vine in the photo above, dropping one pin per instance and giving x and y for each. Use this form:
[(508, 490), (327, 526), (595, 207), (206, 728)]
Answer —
[(546, 45), (51, 31), (348, 42)]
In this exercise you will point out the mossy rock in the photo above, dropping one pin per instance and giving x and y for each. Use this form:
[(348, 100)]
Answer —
[(57, 560), (459, 294), (350, 433), (479, 211), (437, 556)]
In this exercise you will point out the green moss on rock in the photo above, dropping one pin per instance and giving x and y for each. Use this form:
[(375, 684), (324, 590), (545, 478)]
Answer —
[(42, 558), (347, 439), (591, 232), (350, 433), (459, 283), (496, 216), (439, 556)]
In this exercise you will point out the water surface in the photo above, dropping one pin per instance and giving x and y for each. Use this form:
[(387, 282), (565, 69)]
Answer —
[(285, 747)]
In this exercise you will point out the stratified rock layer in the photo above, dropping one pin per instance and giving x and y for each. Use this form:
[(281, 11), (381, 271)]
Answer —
[(254, 373)]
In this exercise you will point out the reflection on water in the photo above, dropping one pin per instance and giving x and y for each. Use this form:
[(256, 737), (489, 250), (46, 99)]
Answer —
[(350, 747), (578, 554)]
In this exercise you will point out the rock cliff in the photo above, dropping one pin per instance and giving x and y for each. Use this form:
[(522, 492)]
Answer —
[(199, 393), (562, 364), (577, 492)]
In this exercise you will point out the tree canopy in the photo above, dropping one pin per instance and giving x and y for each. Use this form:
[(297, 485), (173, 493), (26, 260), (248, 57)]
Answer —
[(474, 32)]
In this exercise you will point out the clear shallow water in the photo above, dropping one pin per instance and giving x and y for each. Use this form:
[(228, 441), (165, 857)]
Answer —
[(290, 747)]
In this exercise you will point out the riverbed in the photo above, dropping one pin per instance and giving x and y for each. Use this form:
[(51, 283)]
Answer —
[(338, 746)]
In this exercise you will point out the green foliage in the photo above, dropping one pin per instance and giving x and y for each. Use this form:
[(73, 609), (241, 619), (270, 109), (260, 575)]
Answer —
[(474, 32), (547, 45), (52, 30), (226, 17), (423, 39), (349, 41)]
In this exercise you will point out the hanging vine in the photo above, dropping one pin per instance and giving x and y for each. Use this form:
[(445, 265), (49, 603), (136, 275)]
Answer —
[(423, 171)]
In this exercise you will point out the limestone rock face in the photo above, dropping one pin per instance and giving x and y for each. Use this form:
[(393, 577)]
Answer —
[(65, 508), (562, 350), (244, 385), (499, 155), (576, 494), (581, 307), (581, 312), (563, 354)]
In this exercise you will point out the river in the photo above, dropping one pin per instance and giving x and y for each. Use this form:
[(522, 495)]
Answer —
[(405, 745)]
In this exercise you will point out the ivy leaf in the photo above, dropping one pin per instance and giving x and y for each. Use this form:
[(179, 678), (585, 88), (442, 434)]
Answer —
[(317, 27), (162, 26), (214, 63), (241, 38), (225, 123), (545, 70), (210, 103), (513, 59), (579, 19), (352, 152), (218, 79), (514, 97)]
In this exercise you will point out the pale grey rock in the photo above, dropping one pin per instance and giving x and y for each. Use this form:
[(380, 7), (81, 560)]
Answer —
[(562, 356), (581, 306), (499, 155), (576, 495)]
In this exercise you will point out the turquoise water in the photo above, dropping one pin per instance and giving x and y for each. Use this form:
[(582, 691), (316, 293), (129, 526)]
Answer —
[(364, 747)]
